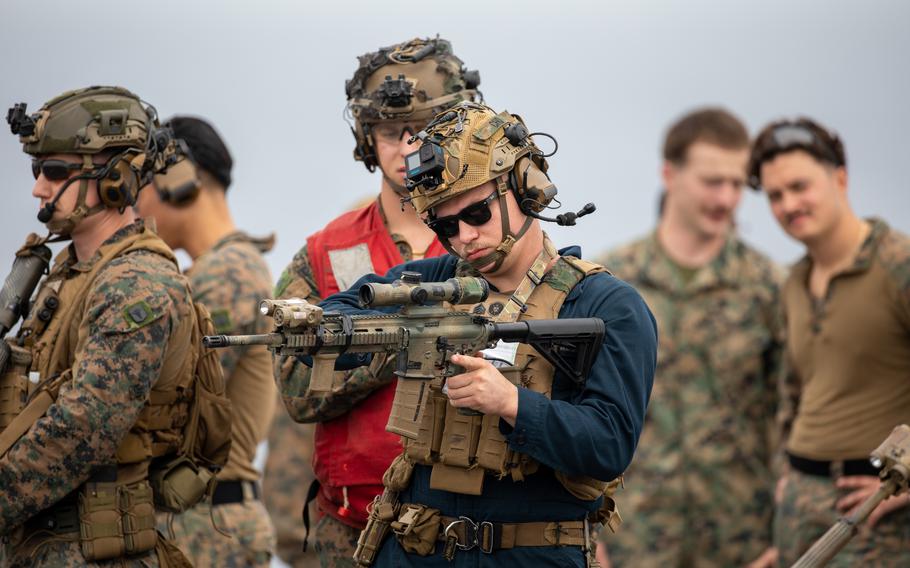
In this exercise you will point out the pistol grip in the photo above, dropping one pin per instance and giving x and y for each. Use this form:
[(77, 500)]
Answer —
[(322, 377)]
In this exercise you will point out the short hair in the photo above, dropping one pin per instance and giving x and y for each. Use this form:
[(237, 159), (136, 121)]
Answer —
[(208, 150), (784, 136), (712, 125)]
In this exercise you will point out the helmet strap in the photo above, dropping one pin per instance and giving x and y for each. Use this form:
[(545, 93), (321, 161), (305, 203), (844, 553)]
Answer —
[(64, 227), (508, 239)]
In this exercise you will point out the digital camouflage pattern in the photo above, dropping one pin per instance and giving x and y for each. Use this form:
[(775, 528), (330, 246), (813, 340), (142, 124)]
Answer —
[(289, 471), (699, 490), (288, 468), (230, 279), (248, 542), (335, 543), (116, 362), (807, 510), (294, 380)]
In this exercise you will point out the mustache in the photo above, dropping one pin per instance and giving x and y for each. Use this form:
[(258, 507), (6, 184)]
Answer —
[(791, 216)]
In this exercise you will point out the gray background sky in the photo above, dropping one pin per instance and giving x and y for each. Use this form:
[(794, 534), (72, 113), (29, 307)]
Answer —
[(604, 78)]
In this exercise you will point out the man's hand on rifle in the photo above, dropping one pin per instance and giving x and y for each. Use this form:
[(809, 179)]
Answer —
[(483, 388), (865, 486)]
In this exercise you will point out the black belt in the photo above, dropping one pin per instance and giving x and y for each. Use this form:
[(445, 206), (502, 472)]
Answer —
[(227, 492), (834, 468)]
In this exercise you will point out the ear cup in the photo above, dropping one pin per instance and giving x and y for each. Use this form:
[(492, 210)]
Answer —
[(118, 188), (179, 185), (532, 186)]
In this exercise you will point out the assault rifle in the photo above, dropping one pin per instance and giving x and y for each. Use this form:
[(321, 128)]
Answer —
[(423, 336), (31, 262), (893, 457)]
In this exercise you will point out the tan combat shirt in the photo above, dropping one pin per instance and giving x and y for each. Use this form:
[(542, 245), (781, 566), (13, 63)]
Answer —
[(231, 279), (850, 351)]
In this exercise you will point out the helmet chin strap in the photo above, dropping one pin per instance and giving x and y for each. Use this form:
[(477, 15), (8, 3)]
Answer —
[(64, 227), (508, 239), (399, 189)]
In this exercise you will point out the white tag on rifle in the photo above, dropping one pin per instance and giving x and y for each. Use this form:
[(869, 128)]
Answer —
[(502, 355)]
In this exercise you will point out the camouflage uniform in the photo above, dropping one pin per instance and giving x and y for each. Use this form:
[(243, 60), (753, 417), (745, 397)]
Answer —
[(334, 542), (699, 490), (116, 362), (230, 279)]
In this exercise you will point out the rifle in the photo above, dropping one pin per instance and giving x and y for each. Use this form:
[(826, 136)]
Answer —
[(893, 457), (31, 262), (423, 336)]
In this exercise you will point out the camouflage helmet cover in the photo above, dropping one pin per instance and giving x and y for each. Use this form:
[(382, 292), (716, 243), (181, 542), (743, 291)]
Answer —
[(410, 81), (480, 145), (88, 121)]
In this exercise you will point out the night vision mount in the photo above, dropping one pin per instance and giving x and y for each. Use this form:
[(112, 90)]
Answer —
[(19, 122), (395, 93)]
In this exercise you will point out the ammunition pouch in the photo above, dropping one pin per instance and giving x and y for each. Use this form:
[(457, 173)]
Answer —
[(179, 484), (13, 383), (116, 520), (417, 528)]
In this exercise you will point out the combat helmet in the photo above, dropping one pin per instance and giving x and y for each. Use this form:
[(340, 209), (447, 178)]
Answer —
[(469, 145), (90, 121), (410, 81)]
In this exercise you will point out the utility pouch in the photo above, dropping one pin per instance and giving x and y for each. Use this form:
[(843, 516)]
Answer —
[(417, 529), (138, 517), (100, 532), (13, 383), (115, 520), (582, 487), (179, 484), (398, 476)]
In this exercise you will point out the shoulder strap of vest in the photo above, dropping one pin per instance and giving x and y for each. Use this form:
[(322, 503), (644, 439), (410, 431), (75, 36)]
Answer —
[(586, 267), (145, 240), (35, 409), (561, 279)]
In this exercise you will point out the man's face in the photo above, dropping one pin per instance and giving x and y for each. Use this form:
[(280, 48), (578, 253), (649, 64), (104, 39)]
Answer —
[(167, 222), (806, 196), (705, 190), (46, 189), (473, 242), (391, 141)]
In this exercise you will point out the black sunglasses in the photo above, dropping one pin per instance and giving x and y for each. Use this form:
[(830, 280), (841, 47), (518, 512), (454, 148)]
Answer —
[(54, 170), (475, 214)]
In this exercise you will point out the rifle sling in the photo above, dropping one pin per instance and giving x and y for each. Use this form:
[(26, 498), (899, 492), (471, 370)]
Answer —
[(24, 420)]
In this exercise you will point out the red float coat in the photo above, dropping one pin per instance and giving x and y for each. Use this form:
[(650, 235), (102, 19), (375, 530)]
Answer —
[(354, 450)]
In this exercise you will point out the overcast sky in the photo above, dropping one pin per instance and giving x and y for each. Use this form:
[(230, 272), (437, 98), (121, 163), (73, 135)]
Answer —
[(605, 78)]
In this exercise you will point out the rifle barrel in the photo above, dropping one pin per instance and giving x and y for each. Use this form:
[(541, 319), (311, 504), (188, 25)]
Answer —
[(217, 341)]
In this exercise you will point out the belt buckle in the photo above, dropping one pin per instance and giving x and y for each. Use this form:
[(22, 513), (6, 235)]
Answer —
[(486, 549), (470, 533)]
